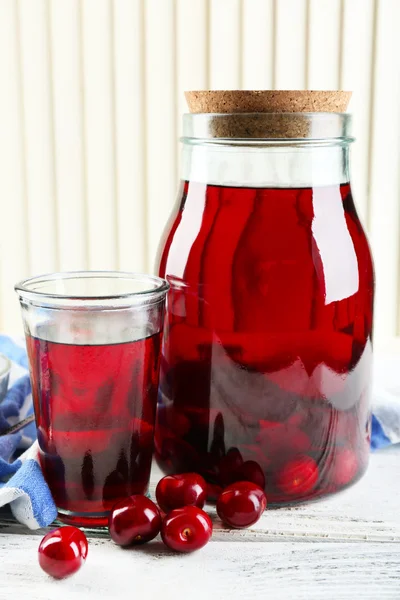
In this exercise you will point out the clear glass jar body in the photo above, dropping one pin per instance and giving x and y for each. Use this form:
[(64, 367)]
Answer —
[(266, 359)]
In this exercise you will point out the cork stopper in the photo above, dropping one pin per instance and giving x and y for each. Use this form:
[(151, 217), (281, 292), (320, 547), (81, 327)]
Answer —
[(247, 110), (255, 101)]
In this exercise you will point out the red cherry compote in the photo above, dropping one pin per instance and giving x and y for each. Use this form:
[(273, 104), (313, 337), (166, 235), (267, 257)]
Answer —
[(266, 357), (95, 409), (297, 477)]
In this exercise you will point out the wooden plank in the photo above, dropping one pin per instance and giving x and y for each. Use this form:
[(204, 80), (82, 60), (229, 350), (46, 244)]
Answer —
[(258, 44), (14, 260), (356, 75), (323, 68), (130, 134), (225, 44), (232, 570), (38, 134), (160, 118), (291, 44), (99, 133), (68, 133), (385, 160)]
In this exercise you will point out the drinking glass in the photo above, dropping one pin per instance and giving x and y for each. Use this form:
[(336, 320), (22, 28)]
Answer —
[(93, 341)]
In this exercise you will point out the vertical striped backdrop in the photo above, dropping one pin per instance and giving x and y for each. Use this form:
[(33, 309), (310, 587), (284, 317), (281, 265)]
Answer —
[(90, 112)]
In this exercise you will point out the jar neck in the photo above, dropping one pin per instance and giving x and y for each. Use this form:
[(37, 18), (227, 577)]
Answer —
[(266, 165)]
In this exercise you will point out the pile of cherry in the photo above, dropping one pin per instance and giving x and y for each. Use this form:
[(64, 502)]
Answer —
[(179, 517)]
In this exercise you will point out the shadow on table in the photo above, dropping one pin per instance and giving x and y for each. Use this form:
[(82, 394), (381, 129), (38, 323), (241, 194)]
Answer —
[(155, 548)]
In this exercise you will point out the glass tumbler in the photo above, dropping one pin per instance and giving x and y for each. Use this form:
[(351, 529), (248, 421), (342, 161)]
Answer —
[(93, 341)]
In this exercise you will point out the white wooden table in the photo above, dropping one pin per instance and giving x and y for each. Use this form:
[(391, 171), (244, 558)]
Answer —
[(347, 546)]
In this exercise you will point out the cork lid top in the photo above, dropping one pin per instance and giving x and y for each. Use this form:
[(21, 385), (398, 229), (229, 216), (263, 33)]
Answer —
[(267, 101), (267, 114)]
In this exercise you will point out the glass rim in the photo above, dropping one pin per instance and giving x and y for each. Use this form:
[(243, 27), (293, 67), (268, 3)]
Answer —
[(274, 128), (157, 288)]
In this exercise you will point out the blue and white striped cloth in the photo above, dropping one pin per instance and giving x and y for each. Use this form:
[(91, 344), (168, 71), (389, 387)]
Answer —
[(21, 481)]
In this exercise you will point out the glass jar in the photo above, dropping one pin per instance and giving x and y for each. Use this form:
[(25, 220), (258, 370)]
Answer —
[(266, 360)]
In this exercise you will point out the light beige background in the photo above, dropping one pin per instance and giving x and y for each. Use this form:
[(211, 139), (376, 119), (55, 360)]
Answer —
[(90, 109)]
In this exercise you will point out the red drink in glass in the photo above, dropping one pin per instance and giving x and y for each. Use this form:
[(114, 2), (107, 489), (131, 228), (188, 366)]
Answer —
[(94, 341), (95, 408)]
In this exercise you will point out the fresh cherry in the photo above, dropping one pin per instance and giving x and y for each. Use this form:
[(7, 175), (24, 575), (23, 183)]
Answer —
[(185, 489), (134, 520), (298, 476), (63, 551), (186, 529), (241, 504)]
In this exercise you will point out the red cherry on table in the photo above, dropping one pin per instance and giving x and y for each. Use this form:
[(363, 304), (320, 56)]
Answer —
[(185, 489), (344, 467), (63, 551), (186, 529), (298, 476), (241, 504), (134, 520)]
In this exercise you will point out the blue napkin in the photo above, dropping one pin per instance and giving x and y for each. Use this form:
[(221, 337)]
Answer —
[(21, 481)]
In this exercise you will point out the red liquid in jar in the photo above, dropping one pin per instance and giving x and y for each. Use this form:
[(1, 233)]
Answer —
[(267, 349), (95, 409)]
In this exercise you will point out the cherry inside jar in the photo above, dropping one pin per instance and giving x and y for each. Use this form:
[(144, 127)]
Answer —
[(267, 351)]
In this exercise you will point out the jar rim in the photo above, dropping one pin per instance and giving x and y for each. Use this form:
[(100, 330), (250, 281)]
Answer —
[(273, 128)]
